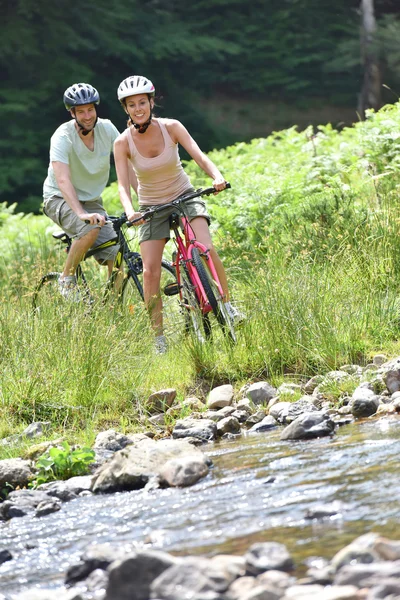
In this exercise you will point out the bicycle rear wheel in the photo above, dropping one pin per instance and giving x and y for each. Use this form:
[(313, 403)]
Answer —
[(213, 294)]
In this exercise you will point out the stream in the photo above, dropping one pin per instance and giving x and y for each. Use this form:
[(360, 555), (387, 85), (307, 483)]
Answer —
[(259, 489)]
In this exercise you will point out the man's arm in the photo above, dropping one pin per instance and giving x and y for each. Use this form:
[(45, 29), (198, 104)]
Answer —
[(63, 178)]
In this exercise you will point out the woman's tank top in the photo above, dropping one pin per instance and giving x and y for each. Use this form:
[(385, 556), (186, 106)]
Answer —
[(161, 178)]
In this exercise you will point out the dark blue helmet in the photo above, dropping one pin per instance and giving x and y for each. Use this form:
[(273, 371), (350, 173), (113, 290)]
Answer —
[(80, 93)]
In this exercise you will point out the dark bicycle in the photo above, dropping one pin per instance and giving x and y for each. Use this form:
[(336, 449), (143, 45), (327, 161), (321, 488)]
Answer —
[(130, 294)]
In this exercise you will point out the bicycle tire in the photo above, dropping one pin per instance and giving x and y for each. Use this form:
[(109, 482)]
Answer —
[(195, 321), (47, 299), (213, 295), (132, 297), (45, 292)]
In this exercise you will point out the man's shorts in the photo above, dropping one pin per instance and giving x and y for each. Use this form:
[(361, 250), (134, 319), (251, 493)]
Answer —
[(158, 227), (59, 211)]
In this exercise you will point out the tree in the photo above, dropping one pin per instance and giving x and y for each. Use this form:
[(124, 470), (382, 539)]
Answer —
[(370, 95)]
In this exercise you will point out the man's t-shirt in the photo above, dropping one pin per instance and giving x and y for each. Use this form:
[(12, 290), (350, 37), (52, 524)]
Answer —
[(89, 170)]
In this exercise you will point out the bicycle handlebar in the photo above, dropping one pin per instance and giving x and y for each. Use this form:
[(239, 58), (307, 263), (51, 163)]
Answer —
[(122, 220), (184, 198)]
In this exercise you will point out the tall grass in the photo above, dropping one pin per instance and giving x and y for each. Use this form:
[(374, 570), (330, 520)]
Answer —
[(310, 238)]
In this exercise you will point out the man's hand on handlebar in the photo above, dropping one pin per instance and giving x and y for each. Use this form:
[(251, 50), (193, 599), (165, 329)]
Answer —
[(93, 218)]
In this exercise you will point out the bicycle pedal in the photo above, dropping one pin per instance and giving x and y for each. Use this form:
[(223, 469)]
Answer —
[(172, 289)]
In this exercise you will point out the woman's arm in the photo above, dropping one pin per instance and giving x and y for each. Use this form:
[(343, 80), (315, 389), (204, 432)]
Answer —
[(180, 134), (126, 177)]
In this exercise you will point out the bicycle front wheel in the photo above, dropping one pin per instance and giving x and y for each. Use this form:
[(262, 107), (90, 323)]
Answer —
[(46, 296), (213, 295), (132, 297), (48, 301)]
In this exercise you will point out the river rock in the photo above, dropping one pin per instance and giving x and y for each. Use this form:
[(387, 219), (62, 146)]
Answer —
[(228, 425), (203, 429), (309, 425), (379, 359), (313, 383), (279, 411), (266, 424), (15, 472), (22, 502), (5, 556), (364, 407), (268, 556), (220, 396), (390, 372), (160, 401), (194, 578), (131, 577), (47, 507), (241, 587), (387, 549), (111, 440), (317, 592), (69, 489), (97, 556), (261, 392), (183, 471), (36, 429), (49, 595), (301, 406), (258, 416), (359, 574), (388, 587), (132, 467), (233, 566)]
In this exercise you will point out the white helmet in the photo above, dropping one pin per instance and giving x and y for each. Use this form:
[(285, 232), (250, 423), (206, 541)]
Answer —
[(136, 84)]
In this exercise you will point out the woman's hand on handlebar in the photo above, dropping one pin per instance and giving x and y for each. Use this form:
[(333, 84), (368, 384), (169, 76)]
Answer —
[(219, 184), (135, 218)]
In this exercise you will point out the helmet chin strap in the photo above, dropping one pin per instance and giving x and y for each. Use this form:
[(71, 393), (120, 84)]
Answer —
[(143, 128), (82, 130)]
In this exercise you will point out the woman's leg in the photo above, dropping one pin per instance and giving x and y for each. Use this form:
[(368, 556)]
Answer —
[(202, 233), (152, 251)]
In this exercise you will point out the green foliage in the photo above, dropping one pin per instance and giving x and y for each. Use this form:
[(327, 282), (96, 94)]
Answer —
[(62, 463), (309, 234), (251, 52)]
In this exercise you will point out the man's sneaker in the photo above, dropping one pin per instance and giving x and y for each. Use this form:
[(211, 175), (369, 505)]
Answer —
[(69, 288), (234, 314), (161, 344)]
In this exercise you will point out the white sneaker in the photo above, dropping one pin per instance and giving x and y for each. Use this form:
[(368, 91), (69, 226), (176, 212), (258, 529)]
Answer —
[(234, 314), (161, 344), (69, 288)]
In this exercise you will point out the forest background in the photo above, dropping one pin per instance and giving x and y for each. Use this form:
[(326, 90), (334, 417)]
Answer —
[(230, 70)]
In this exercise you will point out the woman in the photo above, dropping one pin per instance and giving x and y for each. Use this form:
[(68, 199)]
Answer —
[(150, 145)]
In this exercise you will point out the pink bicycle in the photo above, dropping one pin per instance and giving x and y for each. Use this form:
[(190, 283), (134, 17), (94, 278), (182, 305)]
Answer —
[(201, 298)]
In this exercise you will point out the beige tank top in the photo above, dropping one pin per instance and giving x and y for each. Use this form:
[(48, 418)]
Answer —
[(161, 178)]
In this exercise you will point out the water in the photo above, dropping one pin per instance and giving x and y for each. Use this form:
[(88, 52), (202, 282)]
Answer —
[(260, 489)]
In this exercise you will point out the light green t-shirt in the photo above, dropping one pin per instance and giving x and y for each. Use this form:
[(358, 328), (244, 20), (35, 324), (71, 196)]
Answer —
[(89, 170)]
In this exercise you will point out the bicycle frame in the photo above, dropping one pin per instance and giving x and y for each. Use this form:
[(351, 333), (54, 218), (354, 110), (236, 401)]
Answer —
[(184, 256), (132, 259), (186, 245)]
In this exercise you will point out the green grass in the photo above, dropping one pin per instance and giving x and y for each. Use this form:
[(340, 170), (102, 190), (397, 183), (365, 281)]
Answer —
[(309, 235)]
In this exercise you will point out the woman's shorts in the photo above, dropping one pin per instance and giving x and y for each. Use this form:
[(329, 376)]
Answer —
[(60, 212), (158, 227)]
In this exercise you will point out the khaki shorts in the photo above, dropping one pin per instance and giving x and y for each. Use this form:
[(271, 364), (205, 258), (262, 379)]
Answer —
[(58, 211), (158, 227)]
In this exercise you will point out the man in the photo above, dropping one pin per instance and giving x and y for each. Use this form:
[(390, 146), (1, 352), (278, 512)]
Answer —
[(78, 172)]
